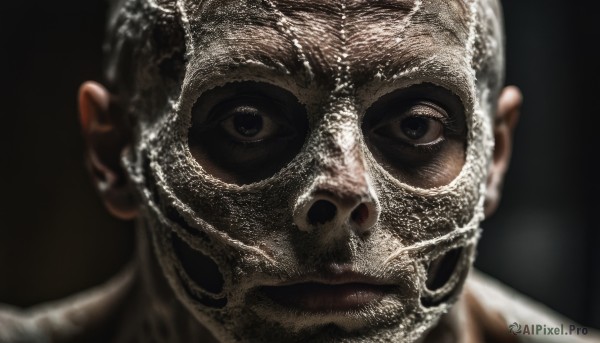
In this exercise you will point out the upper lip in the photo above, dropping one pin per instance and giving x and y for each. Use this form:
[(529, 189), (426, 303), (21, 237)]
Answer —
[(336, 274), (335, 288)]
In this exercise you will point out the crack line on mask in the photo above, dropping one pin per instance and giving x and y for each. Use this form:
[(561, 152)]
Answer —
[(470, 227), (209, 229), (288, 30), (407, 21), (206, 227), (413, 70), (342, 80), (478, 119), (192, 285), (470, 46), (185, 21), (154, 4)]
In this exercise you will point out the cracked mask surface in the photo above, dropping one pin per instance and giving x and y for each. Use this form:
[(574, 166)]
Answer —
[(338, 59)]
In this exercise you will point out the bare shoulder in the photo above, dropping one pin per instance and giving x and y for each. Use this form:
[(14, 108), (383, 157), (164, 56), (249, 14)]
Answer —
[(503, 312), (82, 317)]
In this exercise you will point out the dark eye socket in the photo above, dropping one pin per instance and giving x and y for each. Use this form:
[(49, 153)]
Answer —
[(252, 120), (418, 134), (243, 132), (422, 123)]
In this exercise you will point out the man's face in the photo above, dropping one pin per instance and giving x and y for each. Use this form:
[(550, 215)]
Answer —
[(292, 71), (321, 172)]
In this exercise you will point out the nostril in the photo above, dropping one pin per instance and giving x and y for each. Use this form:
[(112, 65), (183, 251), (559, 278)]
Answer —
[(321, 212), (360, 214)]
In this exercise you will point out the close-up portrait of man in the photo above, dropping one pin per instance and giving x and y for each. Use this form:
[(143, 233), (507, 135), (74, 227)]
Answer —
[(295, 171)]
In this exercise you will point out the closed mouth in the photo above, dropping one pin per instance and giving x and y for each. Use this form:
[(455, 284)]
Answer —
[(319, 297)]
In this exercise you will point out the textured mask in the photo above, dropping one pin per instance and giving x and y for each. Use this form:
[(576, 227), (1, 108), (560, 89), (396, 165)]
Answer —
[(327, 199)]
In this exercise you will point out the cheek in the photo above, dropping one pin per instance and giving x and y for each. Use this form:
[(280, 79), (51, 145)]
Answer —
[(235, 164), (244, 132), (424, 169), (445, 167)]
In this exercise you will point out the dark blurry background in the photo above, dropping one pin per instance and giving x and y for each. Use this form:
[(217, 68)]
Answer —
[(56, 238)]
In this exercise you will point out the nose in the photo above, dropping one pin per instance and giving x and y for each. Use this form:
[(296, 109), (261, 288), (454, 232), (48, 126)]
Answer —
[(331, 211), (341, 200)]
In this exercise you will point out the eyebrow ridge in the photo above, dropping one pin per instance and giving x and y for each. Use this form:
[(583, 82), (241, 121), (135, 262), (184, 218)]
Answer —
[(288, 30)]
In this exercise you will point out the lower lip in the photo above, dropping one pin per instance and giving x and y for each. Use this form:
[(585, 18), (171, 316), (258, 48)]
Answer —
[(319, 297)]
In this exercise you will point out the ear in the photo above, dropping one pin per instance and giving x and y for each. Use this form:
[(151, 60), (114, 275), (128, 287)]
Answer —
[(107, 136), (505, 120)]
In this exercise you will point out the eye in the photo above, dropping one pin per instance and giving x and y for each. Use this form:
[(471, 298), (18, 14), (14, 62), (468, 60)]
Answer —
[(249, 124), (418, 134), (420, 124), (247, 131)]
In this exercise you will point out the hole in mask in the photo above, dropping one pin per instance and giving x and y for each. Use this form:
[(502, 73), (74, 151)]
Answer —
[(204, 300), (321, 212), (418, 134), (173, 215), (244, 132), (170, 213), (200, 268), (440, 271)]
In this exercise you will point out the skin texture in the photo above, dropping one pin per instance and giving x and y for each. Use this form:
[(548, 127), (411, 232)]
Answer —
[(221, 235), (382, 140)]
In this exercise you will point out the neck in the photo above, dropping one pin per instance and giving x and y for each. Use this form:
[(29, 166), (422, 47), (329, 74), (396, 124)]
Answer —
[(155, 314)]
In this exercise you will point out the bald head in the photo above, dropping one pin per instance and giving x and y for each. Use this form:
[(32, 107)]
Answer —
[(152, 44), (302, 154)]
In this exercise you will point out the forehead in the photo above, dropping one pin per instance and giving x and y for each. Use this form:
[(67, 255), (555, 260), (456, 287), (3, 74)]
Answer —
[(332, 42)]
